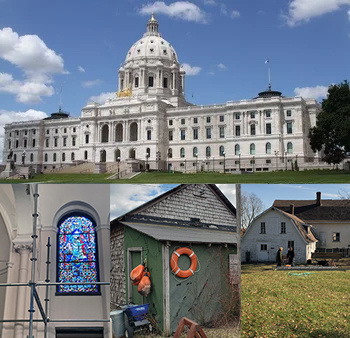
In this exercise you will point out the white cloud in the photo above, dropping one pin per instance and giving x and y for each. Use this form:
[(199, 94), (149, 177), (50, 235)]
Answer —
[(221, 67), (311, 92), (91, 83), (229, 190), (102, 98), (210, 2), (349, 14), (25, 91), (129, 196), (303, 10), (184, 10), (235, 14), (38, 63), (81, 69), (223, 9), (190, 70), (13, 116)]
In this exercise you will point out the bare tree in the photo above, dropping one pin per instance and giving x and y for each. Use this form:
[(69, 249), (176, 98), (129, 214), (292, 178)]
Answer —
[(251, 206)]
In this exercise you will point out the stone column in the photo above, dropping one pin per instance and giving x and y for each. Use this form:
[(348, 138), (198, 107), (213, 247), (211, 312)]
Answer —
[(24, 251)]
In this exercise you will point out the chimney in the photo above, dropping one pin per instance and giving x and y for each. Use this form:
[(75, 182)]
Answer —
[(291, 210), (318, 198)]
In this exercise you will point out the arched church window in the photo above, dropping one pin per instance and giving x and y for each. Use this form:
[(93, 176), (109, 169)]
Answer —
[(268, 148), (119, 133), (252, 149), (77, 255), (290, 148), (104, 133), (182, 152), (195, 151), (237, 149), (133, 131), (207, 151)]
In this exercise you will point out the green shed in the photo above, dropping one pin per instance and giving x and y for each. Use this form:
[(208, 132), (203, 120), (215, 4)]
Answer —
[(193, 216)]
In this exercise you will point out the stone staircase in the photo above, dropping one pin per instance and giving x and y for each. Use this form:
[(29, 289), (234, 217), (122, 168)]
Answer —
[(84, 168)]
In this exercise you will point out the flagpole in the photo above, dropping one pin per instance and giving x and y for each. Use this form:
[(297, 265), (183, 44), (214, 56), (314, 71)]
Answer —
[(269, 77)]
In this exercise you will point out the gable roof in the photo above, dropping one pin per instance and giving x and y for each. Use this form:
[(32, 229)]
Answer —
[(309, 210)]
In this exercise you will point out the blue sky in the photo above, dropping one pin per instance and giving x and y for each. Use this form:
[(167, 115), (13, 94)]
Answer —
[(125, 197), (76, 47)]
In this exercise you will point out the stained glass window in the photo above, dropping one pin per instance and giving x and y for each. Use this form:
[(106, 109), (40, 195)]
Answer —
[(77, 255)]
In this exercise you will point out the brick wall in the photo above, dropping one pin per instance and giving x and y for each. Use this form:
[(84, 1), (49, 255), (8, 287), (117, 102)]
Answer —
[(193, 201), (118, 283)]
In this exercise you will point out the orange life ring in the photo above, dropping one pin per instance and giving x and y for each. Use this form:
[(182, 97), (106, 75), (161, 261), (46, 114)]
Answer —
[(174, 266)]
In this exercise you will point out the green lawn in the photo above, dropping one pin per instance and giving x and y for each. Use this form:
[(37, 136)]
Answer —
[(279, 304), (312, 176)]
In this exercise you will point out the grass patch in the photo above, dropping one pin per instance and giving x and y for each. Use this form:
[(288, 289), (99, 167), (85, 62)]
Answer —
[(310, 176), (277, 304)]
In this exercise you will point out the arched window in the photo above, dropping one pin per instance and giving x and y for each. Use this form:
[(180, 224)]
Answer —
[(31, 157), (119, 133), (77, 255), (85, 155), (195, 152), (63, 157), (182, 152), (104, 133), (45, 157), (14, 157), (290, 148), (221, 151), (133, 131), (132, 153), (170, 153), (54, 157), (207, 151), (72, 156), (268, 148), (237, 149), (148, 152), (117, 155), (252, 149)]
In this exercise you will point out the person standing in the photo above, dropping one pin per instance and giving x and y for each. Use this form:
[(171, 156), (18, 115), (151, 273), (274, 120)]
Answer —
[(279, 256), (290, 255)]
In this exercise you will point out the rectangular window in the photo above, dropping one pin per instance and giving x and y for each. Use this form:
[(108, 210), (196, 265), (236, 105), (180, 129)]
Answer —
[(183, 121), (238, 130), (64, 142), (208, 119), (34, 131), (268, 128), (289, 113), (263, 247), (291, 244), (170, 122), (195, 120), (182, 134), (65, 130), (222, 132), (56, 131), (73, 141), (150, 81), (336, 236), (252, 115), (136, 82), (25, 143), (195, 134), (222, 118), (149, 135), (47, 131), (170, 135), (252, 129), (55, 141), (25, 132), (33, 143), (208, 133), (262, 228), (165, 82), (283, 227), (268, 113), (87, 138), (237, 116), (289, 128), (74, 129)]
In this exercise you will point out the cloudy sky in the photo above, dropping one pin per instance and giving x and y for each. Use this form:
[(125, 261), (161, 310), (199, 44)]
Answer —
[(125, 197), (70, 51)]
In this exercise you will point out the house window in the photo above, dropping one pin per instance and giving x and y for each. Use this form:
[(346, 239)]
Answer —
[(195, 152), (170, 135), (336, 236), (165, 82), (208, 133), (150, 81), (85, 155), (77, 255), (136, 82), (25, 143), (170, 153), (237, 149), (222, 118), (47, 143), (104, 133), (195, 120), (289, 128), (237, 116), (170, 122), (291, 244), (16, 144), (47, 131), (55, 141), (64, 142), (238, 130), (31, 157), (268, 113), (33, 143), (56, 131), (263, 247), (195, 134), (289, 113), (207, 151), (63, 157), (45, 157), (262, 228), (65, 130), (182, 152), (252, 115), (268, 128), (252, 149), (252, 129), (221, 151), (222, 132), (34, 131), (182, 134), (268, 148), (25, 132), (183, 121), (208, 119), (72, 156), (290, 148), (74, 129), (283, 227), (54, 157), (149, 135), (73, 141), (87, 138)]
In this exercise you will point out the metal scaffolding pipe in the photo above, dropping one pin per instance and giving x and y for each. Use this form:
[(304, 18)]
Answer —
[(47, 280), (79, 320)]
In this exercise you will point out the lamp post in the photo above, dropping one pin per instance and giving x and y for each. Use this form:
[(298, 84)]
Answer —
[(276, 154), (147, 157), (286, 160), (223, 154), (118, 162)]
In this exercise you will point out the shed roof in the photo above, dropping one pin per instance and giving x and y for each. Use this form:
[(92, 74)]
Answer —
[(175, 233)]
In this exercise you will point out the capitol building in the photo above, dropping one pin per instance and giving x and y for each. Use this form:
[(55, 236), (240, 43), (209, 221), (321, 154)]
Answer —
[(150, 125)]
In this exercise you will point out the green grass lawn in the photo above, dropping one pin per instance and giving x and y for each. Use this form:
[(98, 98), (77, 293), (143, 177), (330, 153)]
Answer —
[(311, 176), (278, 304)]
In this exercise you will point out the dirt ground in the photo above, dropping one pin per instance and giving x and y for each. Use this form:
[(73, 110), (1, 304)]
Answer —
[(343, 263)]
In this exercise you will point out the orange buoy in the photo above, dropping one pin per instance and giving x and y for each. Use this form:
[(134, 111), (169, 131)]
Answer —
[(174, 263), (136, 274), (144, 287)]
